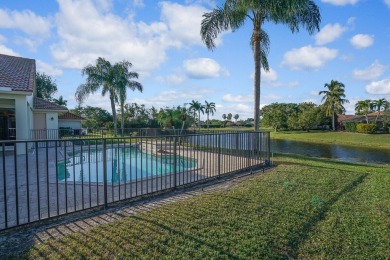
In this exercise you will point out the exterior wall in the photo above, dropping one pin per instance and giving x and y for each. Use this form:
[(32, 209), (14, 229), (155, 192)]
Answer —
[(52, 124), (74, 124), (39, 121)]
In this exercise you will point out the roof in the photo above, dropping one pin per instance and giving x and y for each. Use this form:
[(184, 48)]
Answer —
[(70, 116), (40, 103), (341, 118), (17, 73)]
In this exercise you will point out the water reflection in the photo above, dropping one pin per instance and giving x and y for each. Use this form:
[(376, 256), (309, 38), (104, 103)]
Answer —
[(334, 151)]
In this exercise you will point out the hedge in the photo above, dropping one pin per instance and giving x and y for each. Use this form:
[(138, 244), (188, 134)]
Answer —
[(366, 128), (350, 126)]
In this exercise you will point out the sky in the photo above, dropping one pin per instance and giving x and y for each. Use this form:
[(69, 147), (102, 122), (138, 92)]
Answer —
[(162, 41)]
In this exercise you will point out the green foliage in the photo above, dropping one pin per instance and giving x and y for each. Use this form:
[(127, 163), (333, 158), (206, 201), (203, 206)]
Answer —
[(366, 128), (46, 87), (350, 126), (213, 126), (276, 115), (95, 117)]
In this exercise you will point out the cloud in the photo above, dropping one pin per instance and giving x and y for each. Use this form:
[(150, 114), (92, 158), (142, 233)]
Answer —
[(202, 68), (26, 21), (308, 57), (340, 2), (7, 51), (237, 98), (172, 80), (387, 2), (81, 23), (381, 87), (48, 69), (360, 41), (266, 76), (372, 72), (329, 33)]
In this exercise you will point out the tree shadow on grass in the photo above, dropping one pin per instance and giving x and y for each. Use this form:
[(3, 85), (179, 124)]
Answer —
[(304, 233)]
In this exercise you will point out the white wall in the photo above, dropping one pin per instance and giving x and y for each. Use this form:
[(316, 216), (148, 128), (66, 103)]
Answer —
[(52, 123)]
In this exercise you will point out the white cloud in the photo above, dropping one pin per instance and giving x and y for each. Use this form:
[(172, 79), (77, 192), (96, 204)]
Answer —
[(172, 80), (80, 23), (237, 98), (381, 87), (26, 21), (202, 68), (372, 72), (387, 2), (139, 3), (340, 2), (329, 33), (266, 76), (7, 51), (308, 57), (48, 69), (271, 96), (360, 41)]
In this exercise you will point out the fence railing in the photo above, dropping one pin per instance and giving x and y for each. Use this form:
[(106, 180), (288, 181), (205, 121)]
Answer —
[(41, 179)]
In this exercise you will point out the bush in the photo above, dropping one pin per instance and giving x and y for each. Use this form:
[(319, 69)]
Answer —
[(350, 126), (212, 126), (366, 128)]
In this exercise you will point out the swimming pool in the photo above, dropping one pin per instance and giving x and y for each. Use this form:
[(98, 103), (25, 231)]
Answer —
[(123, 164)]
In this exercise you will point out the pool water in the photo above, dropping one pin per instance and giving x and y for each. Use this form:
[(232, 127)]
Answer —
[(123, 164)]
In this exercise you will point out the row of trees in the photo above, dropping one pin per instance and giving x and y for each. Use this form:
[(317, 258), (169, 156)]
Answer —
[(365, 107), (208, 108), (291, 116)]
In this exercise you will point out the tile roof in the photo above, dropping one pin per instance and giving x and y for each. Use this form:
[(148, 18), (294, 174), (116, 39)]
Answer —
[(17, 73), (70, 116), (40, 103)]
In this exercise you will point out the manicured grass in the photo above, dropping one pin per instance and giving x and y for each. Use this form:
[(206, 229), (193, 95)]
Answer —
[(345, 138), (304, 208)]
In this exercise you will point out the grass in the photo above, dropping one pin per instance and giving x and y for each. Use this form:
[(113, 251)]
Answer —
[(344, 138), (304, 208)]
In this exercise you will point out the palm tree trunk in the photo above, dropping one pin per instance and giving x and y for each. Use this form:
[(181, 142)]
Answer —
[(257, 60), (113, 112), (207, 120), (122, 119), (333, 121)]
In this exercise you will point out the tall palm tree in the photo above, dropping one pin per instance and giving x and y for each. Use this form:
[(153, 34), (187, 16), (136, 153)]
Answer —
[(293, 13), (196, 106), (364, 107), (209, 109), (108, 77), (60, 101), (123, 81), (333, 100), (379, 104)]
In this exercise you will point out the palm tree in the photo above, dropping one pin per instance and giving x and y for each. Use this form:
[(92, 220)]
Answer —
[(364, 107), (224, 119), (379, 104), (333, 100), (196, 106), (236, 116), (293, 13), (110, 78), (123, 81), (60, 101), (209, 109)]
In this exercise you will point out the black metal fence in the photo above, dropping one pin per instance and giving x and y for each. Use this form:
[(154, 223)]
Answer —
[(41, 179)]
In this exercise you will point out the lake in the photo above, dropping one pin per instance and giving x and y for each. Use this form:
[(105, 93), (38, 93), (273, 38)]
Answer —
[(333, 151)]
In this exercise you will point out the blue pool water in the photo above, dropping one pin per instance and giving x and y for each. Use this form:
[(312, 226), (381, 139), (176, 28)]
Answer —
[(123, 164)]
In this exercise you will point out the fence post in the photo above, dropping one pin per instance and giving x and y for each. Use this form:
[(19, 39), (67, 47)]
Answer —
[(219, 155), (175, 161), (105, 173)]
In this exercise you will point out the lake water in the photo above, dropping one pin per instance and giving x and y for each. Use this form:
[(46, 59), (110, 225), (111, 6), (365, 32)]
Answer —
[(333, 151)]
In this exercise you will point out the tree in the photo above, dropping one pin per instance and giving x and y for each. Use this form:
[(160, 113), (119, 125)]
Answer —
[(229, 116), (236, 117), (293, 13), (123, 81), (108, 77), (209, 109), (95, 117), (196, 106), (276, 115), (46, 87), (60, 101), (333, 100), (380, 104), (364, 107)]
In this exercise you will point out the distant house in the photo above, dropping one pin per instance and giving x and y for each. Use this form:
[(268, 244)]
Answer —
[(342, 119), (24, 116)]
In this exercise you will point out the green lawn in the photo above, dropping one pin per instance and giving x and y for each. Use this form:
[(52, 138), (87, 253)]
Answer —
[(346, 138), (304, 208)]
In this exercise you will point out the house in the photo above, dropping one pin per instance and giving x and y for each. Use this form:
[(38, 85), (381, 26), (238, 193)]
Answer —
[(24, 116)]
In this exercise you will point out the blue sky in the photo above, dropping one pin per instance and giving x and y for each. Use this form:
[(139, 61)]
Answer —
[(162, 40)]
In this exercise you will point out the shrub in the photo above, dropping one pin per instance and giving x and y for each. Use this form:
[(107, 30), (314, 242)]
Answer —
[(350, 126), (212, 126), (366, 128)]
